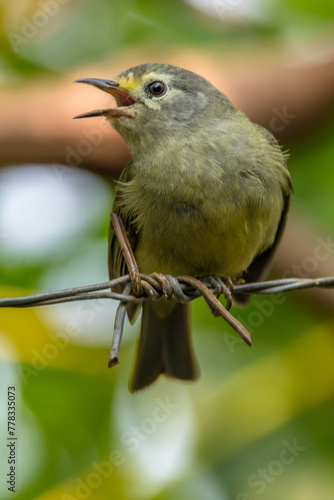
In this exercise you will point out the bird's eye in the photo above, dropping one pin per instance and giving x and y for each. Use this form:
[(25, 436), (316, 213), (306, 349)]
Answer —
[(157, 88)]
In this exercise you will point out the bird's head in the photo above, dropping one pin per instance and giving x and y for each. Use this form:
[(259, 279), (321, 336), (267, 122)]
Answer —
[(158, 99)]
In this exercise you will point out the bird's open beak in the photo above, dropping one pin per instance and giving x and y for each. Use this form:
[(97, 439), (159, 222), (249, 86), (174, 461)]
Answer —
[(122, 97)]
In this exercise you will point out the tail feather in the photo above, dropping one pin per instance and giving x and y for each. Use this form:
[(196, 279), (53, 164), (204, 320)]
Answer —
[(164, 347)]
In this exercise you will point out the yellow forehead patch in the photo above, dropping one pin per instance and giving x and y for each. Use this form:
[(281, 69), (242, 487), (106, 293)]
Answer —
[(129, 82)]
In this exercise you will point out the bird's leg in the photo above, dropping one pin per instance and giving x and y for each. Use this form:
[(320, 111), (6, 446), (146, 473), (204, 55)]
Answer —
[(221, 285), (130, 260)]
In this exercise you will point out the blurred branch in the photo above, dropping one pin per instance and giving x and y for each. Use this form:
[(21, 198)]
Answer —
[(285, 94)]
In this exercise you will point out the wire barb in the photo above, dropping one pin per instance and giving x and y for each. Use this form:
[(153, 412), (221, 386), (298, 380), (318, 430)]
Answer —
[(118, 329), (130, 260)]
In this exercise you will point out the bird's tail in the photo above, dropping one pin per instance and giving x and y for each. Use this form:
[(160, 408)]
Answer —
[(164, 346)]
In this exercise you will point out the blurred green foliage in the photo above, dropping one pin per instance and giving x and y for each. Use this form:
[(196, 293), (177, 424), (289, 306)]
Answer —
[(236, 421), (51, 35), (311, 182)]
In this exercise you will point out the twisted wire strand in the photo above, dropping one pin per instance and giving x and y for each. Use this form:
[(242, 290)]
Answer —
[(155, 287)]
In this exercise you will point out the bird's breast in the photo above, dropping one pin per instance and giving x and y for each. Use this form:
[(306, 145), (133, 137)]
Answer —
[(199, 219)]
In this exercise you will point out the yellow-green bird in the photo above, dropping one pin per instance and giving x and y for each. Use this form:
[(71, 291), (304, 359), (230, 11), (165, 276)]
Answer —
[(206, 193)]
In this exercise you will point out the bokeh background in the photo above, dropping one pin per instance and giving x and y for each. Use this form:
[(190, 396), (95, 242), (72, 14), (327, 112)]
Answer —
[(259, 422)]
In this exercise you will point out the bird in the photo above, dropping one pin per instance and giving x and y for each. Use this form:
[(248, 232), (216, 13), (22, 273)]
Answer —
[(206, 193)]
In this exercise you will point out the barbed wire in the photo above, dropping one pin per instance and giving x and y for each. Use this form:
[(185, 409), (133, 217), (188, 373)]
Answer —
[(137, 287), (155, 286), (182, 291)]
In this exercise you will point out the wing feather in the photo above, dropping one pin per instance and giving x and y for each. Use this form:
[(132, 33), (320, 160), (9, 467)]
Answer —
[(260, 267)]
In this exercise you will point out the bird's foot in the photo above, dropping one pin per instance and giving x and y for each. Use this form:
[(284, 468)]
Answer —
[(221, 285)]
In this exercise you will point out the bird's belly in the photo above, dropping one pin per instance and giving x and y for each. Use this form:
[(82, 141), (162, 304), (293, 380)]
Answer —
[(196, 241)]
